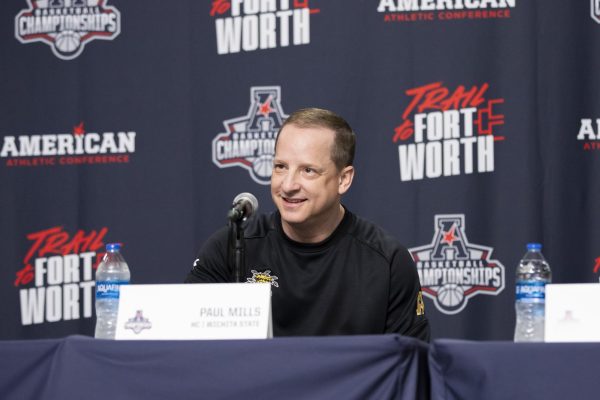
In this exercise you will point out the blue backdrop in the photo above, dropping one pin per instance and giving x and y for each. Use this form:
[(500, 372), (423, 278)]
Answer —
[(139, 121)]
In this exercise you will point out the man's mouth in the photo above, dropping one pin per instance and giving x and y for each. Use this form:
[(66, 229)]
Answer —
[(293, 201)]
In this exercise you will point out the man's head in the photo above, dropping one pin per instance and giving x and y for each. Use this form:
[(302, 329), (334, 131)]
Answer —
[(342, 151), (312, 169)]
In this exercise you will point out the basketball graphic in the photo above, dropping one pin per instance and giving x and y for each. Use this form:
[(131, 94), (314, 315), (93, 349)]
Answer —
[(67, 26), (67, 41), (263, 166), (453, 270), (451, 295)]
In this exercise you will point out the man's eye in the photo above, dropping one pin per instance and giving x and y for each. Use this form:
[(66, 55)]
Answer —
[(278, 167)]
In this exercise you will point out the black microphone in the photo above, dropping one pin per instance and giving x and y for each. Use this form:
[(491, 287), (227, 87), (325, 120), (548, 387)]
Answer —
[(244, 205)]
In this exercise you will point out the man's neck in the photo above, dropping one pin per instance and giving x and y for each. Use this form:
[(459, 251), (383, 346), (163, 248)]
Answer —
[(316, 234)]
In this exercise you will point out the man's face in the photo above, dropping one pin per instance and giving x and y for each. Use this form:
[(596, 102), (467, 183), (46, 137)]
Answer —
[(306, 185)]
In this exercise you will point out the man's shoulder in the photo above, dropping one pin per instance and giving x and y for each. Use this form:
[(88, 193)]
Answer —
[(256, 227), (260, 225), (375, 237)]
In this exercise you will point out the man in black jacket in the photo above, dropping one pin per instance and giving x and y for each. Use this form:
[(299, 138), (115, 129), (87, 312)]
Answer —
[(332, 272)]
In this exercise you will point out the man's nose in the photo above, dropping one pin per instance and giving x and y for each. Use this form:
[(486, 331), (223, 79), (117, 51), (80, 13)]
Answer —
[(290, 182)]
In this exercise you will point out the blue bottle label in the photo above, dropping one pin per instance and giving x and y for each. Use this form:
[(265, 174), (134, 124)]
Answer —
[(531, 291), (108, 289)]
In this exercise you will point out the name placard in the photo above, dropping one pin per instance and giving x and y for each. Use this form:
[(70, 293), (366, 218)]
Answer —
[(195, 311), (572, 312)]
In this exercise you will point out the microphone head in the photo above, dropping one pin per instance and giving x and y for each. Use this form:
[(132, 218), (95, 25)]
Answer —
[(249, 202)]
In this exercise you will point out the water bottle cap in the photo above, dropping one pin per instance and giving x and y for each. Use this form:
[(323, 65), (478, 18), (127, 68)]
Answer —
[(534, 246), (113, 247)]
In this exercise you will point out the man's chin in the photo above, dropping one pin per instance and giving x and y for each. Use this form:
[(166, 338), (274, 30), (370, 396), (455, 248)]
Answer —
[(291, 217)]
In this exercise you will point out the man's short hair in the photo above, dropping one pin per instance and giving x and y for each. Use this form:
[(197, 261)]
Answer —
[(342, 151)]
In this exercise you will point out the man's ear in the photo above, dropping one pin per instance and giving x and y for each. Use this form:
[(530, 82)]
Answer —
[(346, 177)]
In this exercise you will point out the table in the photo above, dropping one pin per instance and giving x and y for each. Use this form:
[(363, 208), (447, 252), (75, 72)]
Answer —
[(349, 367), (505, 370), (343, 367)]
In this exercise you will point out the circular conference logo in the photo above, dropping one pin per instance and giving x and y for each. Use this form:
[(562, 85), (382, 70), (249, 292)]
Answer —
[(452, 270), (67, 25), (249, 140)]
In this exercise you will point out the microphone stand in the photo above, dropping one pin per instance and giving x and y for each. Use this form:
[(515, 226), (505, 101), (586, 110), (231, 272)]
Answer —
[(244, 204), (237, 247)]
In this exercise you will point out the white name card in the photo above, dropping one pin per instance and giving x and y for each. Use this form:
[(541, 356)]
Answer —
[(572, 312), (195, 311)]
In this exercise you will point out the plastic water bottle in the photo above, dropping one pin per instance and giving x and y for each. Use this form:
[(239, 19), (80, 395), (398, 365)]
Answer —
[(110, 275), (533, 273)]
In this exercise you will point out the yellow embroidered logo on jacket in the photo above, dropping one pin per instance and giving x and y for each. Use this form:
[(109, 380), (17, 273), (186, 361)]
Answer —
[(263, 277), (420, 304)]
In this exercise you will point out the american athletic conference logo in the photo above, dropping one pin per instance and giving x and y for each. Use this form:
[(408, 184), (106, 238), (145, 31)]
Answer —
[(444, 10), (587, 134), (452, 270), (67, 25), (249, 141)]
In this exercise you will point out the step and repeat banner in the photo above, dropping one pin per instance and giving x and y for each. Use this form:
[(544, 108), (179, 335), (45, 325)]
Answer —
[(478, 131)]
